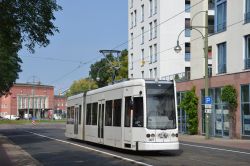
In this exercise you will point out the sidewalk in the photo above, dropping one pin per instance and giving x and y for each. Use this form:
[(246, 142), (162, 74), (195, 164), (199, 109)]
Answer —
[(10, 154), (232, 143)]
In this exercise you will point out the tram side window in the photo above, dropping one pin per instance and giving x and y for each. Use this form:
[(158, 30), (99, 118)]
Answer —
[(138, 112), (117, 112), (108, 113), (68, 115), (80, 114), (72, 116), (94, 113), (127, 111), (88, 116)]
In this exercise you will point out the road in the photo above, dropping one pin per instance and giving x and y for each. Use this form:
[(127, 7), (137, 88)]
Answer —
[(48, 145)]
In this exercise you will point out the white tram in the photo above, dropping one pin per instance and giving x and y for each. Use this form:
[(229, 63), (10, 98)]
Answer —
[(136, 114)]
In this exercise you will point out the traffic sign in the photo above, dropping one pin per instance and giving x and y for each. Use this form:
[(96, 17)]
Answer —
[(208, 111), (208, 100)]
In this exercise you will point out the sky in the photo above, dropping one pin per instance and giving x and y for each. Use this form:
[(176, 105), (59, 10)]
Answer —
[(85, 28)]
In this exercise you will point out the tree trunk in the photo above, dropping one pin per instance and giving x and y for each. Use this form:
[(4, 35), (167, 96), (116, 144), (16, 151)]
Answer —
[(232, 125)]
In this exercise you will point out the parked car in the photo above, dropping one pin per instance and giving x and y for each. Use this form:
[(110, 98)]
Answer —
[(11, 117)]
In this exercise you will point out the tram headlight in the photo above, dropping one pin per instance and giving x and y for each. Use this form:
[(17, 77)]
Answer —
[(174, 135), (152, 135), (147, 135)]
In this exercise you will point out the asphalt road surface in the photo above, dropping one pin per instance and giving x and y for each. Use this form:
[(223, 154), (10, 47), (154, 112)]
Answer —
[(48, 145)]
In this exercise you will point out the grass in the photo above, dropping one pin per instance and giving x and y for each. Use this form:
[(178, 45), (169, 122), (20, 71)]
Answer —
[(29, 121)]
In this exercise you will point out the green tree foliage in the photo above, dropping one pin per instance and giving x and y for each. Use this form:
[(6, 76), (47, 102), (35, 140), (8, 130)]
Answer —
[(190, 105), (104, 70), (27, 22), (82, 85), (229, 95)]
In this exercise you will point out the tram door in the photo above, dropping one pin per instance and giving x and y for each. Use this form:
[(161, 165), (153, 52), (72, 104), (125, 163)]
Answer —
[(101, 107), (76, 120), (128, 119)]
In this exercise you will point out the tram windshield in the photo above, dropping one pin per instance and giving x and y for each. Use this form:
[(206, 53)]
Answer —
[(160, 106)]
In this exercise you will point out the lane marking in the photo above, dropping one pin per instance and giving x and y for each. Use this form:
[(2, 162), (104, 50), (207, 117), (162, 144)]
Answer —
[(92, 149), (220, 149)]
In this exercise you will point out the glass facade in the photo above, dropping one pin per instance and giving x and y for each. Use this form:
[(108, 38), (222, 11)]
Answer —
[(219, 118), (245, 109), (182, 116)]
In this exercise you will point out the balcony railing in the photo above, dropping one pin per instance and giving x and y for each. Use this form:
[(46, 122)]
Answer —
[(187, 56), (221, 27), (247, 63), (187, 32), (222, 68), (247, 17), (187, 8), (211, 5), (179, 77)]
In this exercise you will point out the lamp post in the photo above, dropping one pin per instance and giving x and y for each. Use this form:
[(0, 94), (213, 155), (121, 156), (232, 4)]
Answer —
[(177, 49), (115, 68)]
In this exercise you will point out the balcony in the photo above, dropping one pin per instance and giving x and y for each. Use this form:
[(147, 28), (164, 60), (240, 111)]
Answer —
[(247, 63), (178, 77)]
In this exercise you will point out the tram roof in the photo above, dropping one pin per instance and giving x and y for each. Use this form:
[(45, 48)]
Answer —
[(75, 96), (128, 83)]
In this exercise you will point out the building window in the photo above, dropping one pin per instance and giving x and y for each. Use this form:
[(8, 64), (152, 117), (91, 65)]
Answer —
[(151, 54), (222, 58), (142, 35), (131, 61), (155, 52), (131, 40), (142, 57), (221, 15), (155, 6), (131, 3), (210, 69), (155, 28), (131, 76), (135, 16), (142, 13), (245, 109), (187, 27), (131, 20), (155, 72), (150, 73), (247, 52), (142, 74), (187, 52), (247, 12), (150, 31), (150, 8), (187, 6)]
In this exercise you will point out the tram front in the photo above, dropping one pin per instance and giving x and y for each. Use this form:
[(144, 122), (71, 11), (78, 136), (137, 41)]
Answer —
[(161, 117)]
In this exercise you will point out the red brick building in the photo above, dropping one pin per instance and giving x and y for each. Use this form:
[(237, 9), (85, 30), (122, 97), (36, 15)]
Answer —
[(34, 99), (220, 116)]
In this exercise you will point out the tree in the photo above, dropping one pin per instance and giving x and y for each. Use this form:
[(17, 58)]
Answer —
[(229, 95), (104, 70), (82, 85), (190, 104), (27, 22)]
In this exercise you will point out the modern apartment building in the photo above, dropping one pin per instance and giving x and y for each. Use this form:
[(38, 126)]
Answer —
[(154, 26), (229, 63)]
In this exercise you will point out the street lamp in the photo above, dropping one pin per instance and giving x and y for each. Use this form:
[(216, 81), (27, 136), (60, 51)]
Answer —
[(114, 67), (177, 49)]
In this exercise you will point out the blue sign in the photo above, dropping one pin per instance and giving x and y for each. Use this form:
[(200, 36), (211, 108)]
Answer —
[(208, 100)]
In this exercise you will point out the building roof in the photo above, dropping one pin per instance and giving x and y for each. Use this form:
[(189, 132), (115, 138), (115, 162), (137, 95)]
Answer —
[(30, 84)]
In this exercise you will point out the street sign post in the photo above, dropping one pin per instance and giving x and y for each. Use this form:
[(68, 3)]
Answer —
[(208, 104)]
